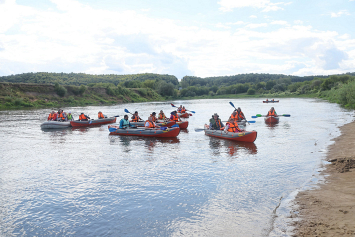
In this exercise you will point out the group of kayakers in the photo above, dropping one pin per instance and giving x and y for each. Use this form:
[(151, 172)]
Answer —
[(181, 109), (63, 116), (232, 123)]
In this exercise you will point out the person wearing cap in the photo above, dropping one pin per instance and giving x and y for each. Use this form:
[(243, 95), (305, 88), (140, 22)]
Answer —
[(135, 117), (150, 124), (70, 116), (215, 122), (174, 116), (161, 115), (100, 115), (83, 117), (124, 123)]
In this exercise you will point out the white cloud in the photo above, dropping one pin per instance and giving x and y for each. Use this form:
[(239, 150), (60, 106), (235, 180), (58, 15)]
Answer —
[(266, 5), (253, 26), (340, 13), (279, 23), (253, 16)]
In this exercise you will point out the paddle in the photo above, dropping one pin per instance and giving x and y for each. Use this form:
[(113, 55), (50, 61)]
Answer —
[(126, 110), (250, 121), (230, 102), (200, 129), (259, 115), (186, 110)]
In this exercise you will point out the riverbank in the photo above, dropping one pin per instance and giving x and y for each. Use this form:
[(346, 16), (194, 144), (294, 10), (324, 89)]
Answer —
[(330, 210)]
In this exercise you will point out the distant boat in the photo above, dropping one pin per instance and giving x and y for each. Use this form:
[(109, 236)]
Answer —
[(270, 101)]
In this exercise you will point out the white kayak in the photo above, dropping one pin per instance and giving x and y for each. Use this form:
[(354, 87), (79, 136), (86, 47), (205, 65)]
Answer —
[(56, 124)]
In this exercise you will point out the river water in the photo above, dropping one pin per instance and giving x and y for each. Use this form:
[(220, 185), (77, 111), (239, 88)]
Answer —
[(84, 182)]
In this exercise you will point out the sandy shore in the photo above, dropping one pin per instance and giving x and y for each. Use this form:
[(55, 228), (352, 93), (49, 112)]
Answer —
[(330, 210)]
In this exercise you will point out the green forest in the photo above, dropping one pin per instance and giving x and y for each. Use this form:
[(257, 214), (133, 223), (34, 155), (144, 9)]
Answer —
[(79, 88)]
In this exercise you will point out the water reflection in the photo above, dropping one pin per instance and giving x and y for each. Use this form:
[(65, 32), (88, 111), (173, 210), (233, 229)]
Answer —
[(148, 141), (184, 130), (272, 125), (232, 148)]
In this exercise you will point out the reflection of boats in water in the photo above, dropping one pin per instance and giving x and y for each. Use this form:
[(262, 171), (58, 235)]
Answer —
[(233, 147), (272, 125), (150, 141)]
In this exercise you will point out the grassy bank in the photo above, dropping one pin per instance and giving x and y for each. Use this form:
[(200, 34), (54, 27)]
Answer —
[(24, 95)]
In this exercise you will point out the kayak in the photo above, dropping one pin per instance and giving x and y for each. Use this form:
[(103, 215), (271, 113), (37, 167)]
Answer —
[(235, 136), (55, 124), (183, 124), (271, 119), (183, 115), (159, 123), (270, 101), (92, 122), (168, 132)]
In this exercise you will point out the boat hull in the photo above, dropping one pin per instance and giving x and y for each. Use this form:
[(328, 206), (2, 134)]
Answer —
[(271, 119), (183, 115), (183, 124), (55, 124), (169, 132), (235, 136), (93, 122), (160, 124)]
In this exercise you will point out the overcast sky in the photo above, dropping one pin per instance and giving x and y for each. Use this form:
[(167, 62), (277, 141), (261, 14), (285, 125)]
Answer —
[(184, 37)]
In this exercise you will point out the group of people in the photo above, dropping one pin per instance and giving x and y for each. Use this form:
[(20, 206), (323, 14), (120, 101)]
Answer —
[(63, 116), (60, 116), (231, 125), (181, 109), (151, 122)]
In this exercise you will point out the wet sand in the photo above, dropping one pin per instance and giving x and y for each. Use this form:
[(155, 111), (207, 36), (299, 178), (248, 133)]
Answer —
[(330, 210)]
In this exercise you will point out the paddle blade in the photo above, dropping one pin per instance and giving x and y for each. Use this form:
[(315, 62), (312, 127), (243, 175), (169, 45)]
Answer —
[(231, 104), (173, 105), (253, 121), (116, 116), (286, 115), (258, 115), (192, 111), (254, 116), (125, 110), (190, 114), (199, 129)]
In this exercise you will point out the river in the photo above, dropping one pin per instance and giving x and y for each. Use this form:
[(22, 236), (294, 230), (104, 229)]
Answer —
[(84, 182)]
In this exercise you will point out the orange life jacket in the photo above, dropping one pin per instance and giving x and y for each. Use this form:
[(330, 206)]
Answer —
[(175, 118), (100, 115), (241, 115), (60, 116), (135, 118), (183, 110), (82, 117), (50, 116), (151, 124), (271, 113), (234, 117), (154, 119), (233, 127), (161, 116)]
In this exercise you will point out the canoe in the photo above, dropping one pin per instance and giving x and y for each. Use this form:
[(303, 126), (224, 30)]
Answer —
[(93, 122), (183, 115), (169, 132), (271, 119), (275, 101), (235, 136), (160, 124), (55, 124), (183, 124)]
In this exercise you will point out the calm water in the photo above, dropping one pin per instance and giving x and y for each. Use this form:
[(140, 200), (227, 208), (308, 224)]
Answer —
[(83, 182)]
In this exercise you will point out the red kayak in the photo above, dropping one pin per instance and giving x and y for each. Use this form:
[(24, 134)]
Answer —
[(244, 136), (183, 115), (92, 122), (271, 119), (183, 124)]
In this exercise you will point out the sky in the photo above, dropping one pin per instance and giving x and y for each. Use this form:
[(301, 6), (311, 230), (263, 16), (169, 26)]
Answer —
[(181, 38)]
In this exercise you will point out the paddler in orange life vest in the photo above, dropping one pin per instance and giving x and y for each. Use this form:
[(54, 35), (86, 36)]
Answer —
[(240, 114), (271, 112), (174, 117), (150, 124), (234, 116), (135, 117), (215, 122), (100, 115), (179, 109), (83, 117), (183, 110), (232, 126), (161, 115), (60, 115), (154, 118), (52, 116)]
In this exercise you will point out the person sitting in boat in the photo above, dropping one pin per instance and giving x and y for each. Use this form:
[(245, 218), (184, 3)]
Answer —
[(215, 122), (240, 114), (161, 115), (83, 117), (150, 124), (183, 110), (154, 118), (232, 126), (174, 117), (179, 109), (65, 116), (267, 100), (70, 116), (52, 116), (234, 116), (272, 100), (60, 115), (271, 112), (135, 117), (124, 123), (100, 115)]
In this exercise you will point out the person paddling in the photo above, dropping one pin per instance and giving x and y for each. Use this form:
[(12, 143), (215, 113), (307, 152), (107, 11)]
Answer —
[(83, 117), (124, 123), (135, 117), (234, 116), (183, 110), (271, 112), (240, 114), (215, 122)]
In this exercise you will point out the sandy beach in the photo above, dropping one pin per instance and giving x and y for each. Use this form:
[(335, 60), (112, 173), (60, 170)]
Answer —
[(330, 210)]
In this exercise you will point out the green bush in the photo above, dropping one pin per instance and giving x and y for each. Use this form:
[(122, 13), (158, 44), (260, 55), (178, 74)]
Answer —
[(251, 91)]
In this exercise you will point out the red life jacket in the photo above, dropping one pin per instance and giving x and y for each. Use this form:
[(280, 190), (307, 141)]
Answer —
[(100, 115), (50, 116), (82, 117)]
